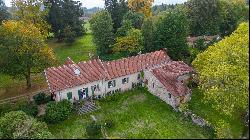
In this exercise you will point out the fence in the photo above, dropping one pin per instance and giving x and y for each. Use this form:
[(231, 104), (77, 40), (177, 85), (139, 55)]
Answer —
[(28, 96)]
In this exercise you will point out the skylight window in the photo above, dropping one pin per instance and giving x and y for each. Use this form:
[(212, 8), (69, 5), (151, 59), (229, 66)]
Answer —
[(77, 72)]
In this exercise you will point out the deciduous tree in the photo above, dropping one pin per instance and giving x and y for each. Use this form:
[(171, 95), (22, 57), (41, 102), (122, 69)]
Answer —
[(148, 34), (135, 18), (30, 12), (102, 28), (141, 6), (4, 14), (223, 72), (117, 9), (123, 30), (23, 50), (233, 12), (171, 32), (204, 16), (131, 43)]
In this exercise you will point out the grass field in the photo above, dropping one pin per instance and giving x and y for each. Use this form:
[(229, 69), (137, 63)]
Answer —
[(77, 51), (205, 110), (136, 114)]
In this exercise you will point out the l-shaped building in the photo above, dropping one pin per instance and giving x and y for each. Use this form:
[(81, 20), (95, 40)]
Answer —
[(163, 77)]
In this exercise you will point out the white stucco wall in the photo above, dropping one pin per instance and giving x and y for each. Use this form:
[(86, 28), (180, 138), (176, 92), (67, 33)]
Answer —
[(60, 95), (119, 84), (103, 85)]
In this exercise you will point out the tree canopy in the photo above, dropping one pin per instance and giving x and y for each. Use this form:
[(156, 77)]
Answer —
[(4, 14), (171, 30), (23, 50), (204, 16), (64, 15), (30, 12), (135, 18), (102, 29), (223, 71), (132, 43), (141, 6), (117, 9)]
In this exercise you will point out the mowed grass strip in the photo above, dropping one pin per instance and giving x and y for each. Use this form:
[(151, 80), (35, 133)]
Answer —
[(136, 114)]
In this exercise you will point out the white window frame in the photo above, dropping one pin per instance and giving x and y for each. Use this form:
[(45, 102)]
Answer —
[(112, 84), (126, 80)]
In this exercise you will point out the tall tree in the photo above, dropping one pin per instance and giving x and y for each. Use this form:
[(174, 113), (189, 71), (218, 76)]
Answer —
[(4, 14), (18, 125), (135, 18), (141, 6), (204, 16), (102, 28), (223, 72), (148, 34), (171, 30), (23, 50), (116, 9), (131, 44), (233, 12), (30, 12), (65, 14)]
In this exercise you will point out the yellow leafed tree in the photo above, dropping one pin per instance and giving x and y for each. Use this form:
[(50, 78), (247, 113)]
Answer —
[(141, 6)]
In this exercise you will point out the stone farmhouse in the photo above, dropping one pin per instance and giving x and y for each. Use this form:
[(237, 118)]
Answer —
[(96, 78)]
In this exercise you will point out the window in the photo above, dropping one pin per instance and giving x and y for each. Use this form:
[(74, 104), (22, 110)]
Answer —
[(169, 95), (69, 95), (95, 87), (108, 93), (85, 91), (111, 84), (153, 85), (125, 80), (99, 96), (138, 77)]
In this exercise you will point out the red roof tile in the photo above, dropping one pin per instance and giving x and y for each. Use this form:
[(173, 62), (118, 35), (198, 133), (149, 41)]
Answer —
[(66, 76), (135, 63), (168, 74)]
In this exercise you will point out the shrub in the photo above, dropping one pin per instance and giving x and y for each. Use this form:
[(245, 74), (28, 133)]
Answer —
[(4, 108), (41, 98), (18, 125), (57, 111), (109, 123), (93, 130), (30, 108)]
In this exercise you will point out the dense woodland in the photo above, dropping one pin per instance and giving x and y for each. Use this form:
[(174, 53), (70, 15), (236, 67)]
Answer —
[(126, 28)]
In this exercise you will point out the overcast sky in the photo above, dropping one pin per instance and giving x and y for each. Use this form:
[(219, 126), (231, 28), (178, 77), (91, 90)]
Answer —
[(100, 3)]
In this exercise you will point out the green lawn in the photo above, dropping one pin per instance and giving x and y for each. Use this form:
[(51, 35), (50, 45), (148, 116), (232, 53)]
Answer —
[(205, 110), (136, 114), (77, 51)]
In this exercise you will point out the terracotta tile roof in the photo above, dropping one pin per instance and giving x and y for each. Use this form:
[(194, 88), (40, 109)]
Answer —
[(207, 38), (168, 74), (72, 74), (130, 65), (66, 76), (69, 61)]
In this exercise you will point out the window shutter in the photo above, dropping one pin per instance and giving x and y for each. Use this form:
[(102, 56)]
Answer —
[(114, 83), (69, 95)]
